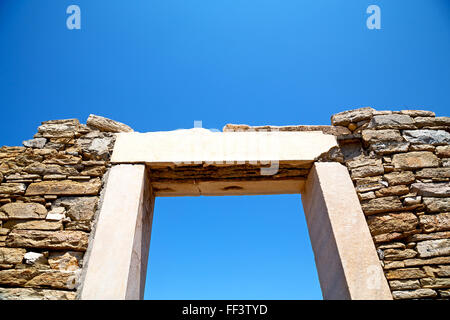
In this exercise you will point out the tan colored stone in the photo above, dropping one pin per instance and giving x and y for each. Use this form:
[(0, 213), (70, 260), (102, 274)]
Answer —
[(437, 271), (57, 240), (435, 283), (35, 294), (437, 222), (34, 225), (393, 265), (404, 284), (395, 254), (62, 129), (346, 117), (50, 169), (441, 189), (432, 248), (418, 113), (433, 173), (406, 273), (380, 205), (392, 191), (31, 277), (431, 121), (19, 210), (65, 261), (107, 125), (424, 262), (443, 151), (65, 187), (430, 236), (368, 184), (415, 294), (368, 171), (374, 136), (392, 222), (415, 160), (437, 204), (78, 208), (11, 255), (12, 188), (391, 121), (397, 178)]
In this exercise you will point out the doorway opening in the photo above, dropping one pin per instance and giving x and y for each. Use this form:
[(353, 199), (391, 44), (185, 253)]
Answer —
[(228, 247)]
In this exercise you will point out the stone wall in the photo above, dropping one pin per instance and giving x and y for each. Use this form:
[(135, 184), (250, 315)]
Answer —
[(49, 196), (400, 165)]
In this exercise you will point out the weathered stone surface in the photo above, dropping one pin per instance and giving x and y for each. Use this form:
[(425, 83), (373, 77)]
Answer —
[(429, 236), (346, 117), (38, 143), (65, 187), (415, 160), (65, 261), (59, 128), (444, 293), (35, 294), (383, 148), (435, 283), (415, 294), (437, 271), (418, 113), (443, 151), (433, 137), (368, 171), (19, 210), (78, 208), (11, 255), (34, 225), (432, 248), (392, 191), (406, 273), (432, 121), (108, 125), (49, 169), (391, 121), (82, 225), (366, 196), (393, 265), (374, 136), (422, 147), (397, 178), (423, 262), (437, 222), (404, 284), (392, 222), (12, 188), (32, 277), (437, 204), (395, 254), (432, 189), (379, 205), (58, 240), (433, 173)]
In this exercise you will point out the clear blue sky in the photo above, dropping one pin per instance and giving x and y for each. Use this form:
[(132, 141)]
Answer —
[(160, 65)]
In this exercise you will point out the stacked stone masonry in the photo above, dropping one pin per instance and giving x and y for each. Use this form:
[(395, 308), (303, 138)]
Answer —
[(49, 196), (399, 161), (400, 165)]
